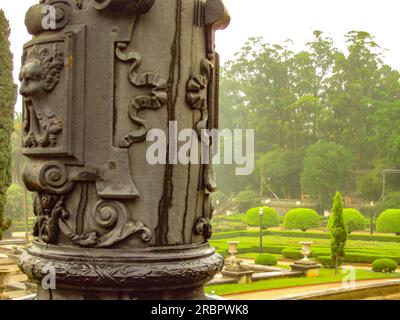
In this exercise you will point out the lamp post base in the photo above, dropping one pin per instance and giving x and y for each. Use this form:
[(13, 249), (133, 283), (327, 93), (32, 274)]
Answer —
[(177, 273), (196, 293)]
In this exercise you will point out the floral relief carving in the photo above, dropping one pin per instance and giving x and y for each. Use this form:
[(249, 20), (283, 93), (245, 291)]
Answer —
[(48, 209)]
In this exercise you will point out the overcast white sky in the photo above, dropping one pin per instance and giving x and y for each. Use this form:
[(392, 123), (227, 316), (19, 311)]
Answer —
[(275, 20)]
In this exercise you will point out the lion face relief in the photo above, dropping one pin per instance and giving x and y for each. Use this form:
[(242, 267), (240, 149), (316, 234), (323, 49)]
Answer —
[(40, 72), (39, 75)]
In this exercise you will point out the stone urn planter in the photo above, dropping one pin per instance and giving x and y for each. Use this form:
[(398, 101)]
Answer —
[(233, 268), (233, 247), (308, 267), (306, 250)]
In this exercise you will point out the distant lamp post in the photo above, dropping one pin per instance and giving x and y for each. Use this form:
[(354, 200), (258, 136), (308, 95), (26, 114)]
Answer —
[(372, 204), (261, 212)]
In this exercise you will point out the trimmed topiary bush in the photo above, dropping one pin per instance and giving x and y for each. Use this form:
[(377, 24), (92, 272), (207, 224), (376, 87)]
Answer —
[(270, 217), (353, 220), (338, 232), (301, 218), (384, 265), (292, 254), (326, 261), (389, 221), (266, 259)]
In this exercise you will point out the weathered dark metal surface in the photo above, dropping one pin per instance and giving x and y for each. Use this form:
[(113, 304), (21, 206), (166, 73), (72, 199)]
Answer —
[(112, 225)]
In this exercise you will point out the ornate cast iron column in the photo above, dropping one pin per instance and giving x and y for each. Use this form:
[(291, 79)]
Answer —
[(112, 225)]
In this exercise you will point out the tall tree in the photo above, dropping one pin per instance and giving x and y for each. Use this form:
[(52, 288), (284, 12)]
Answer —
[(279, 173), (327, 167), (18, 162), (293, 99), (360, 85), (387, 133), (7, 101), (338, 232)]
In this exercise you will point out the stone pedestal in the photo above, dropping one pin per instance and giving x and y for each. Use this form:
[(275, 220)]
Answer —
[(310, 268), (241, 277), (114, 219)]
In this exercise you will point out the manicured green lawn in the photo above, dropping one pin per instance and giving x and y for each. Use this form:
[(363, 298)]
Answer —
[(326, 276)]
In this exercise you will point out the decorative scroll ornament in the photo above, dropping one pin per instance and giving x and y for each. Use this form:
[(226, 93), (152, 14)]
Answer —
[(156, 100), (39, 75), (196, 93), (52, 185), (53, 177), (110, 215), (203, 227)]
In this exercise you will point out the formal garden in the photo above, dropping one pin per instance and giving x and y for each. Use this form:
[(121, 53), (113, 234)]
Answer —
[(374, 255)]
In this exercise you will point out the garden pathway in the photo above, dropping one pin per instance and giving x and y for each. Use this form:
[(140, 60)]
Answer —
[(279, 294)]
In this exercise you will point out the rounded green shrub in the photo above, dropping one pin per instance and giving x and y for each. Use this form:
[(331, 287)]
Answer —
[(266, 259), (292, 254), (384, 265), (389, 221), (353, 220), (326, 261), (301, 218), (270, 217)]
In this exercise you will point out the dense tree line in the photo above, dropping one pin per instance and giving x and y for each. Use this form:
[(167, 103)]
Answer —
[(7, 101), (325, 120)]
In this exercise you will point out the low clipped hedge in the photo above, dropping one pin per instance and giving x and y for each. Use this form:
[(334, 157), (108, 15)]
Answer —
[(301, 218), (320, 252), (294, 234), (270, 218), (384, 265), (353, 220), (270, 249), (292, 254), (368, 257), (326, 261), (266, 259), (389, 221), (237, 217)]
